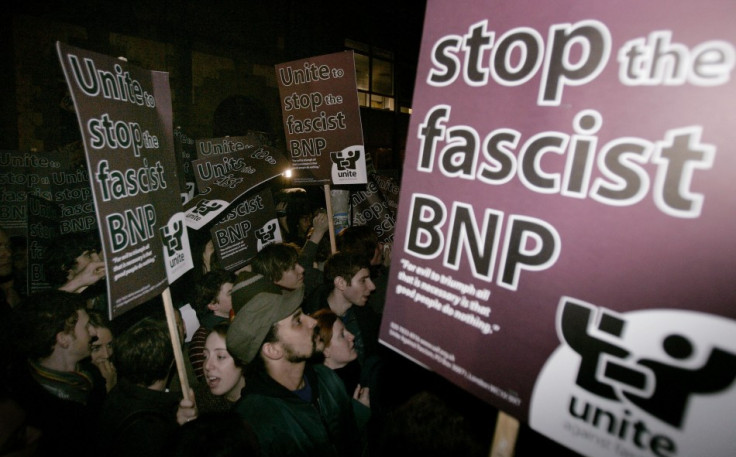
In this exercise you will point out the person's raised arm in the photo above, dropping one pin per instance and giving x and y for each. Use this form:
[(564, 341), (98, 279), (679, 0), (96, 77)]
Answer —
[(93, 272)]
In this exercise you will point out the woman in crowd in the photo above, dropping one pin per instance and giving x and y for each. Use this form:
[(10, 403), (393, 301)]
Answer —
[(101, 349), (223, 372), (339, 353)]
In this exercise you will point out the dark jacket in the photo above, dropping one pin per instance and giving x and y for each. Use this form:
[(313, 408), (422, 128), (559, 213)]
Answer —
[(287, 426), (136, 421), (64, 419), (313, 277)]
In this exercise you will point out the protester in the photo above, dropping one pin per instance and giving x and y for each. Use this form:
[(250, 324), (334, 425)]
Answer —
[(310, 252), (288, 265), (139, 416), (223, 372), (346, 288), (339, 352), (295, 408), (363, 240), (213, 305), (62, 399), (154, 309), (339, 355), (73, 264), (101, 348), (294, 211), (278, 263)]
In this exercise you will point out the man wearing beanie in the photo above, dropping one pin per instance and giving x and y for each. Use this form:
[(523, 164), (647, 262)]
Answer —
[(296, 408)]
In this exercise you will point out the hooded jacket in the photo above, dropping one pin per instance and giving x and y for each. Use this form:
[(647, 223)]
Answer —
[(286, 425)]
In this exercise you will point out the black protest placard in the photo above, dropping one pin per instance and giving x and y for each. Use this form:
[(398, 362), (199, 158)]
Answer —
[(211, 147), (71, 191), (245, 228), (185, 153), (218, 158), (125, 118), (23, 174), (370, 207), (319, 104), (229, 176)]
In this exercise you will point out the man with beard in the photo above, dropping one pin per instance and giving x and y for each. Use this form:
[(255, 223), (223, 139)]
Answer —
[(296, 408)]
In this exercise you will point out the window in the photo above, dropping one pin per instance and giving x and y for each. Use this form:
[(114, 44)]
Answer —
[(374, 72)]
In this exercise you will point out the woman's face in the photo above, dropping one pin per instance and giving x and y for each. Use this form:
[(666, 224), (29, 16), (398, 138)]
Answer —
[(341, 349), (224, 300), (223, 377), (101, 348), (305, 222)]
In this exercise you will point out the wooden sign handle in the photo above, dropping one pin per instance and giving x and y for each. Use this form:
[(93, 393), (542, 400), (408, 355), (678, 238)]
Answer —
[(330, 218), (174, 333), (504, 439)]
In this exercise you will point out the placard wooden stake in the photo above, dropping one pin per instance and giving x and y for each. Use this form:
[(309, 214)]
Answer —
[(504, 439), (330, 218), (174, 332)]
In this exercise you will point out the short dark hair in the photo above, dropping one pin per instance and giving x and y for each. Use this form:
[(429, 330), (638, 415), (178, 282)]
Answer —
[(208, 287), (46, 314), (221, 329), (358, 239), (143, 353), (61, 255), (274, 259), (98, 320), (345, 265)]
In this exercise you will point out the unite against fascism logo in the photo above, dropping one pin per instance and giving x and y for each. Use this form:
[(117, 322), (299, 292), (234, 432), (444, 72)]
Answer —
[(266, 234), (655, 382)]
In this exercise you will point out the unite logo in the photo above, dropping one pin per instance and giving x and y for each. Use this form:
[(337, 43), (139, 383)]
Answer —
[(348, 165), (267, 234), (206, 206), (177, 256), (657, 382), (172, 236), (346, 159)]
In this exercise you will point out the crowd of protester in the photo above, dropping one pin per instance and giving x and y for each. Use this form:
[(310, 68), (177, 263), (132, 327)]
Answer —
[(286, 360)]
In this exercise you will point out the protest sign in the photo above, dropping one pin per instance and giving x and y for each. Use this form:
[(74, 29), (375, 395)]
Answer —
[(564, 246), (244, 229), (185, 153), (210, 147), (216, 159), (223, 179), (23, 174), (124, 115), (71, 191), (319, 104), (43, 229), (371, 208)]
